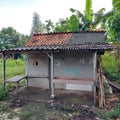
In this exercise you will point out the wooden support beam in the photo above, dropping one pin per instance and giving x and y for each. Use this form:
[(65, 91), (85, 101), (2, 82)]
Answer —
[(3, 70), (100, 85), (94, 75)]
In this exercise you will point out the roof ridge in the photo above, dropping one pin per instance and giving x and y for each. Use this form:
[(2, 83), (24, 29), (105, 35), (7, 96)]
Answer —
[(51, 33)]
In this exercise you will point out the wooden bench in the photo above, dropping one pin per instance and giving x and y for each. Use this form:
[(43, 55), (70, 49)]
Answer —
[(16, 80)]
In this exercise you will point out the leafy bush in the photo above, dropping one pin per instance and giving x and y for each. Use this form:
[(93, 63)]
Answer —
[(3, 94), (110, 66), (116, 112)]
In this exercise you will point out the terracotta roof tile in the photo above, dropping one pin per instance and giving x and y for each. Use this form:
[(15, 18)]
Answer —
[(49, 39)]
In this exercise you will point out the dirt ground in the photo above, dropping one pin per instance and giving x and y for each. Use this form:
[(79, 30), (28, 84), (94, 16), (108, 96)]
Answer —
[(35, 104)]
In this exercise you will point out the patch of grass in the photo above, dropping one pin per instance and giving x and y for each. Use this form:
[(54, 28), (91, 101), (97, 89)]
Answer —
[(13, 68)]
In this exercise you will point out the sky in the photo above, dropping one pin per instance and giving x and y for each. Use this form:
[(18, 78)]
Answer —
[(19, 13)]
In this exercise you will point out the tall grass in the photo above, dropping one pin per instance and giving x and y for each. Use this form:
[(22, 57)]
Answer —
[(13, 68)]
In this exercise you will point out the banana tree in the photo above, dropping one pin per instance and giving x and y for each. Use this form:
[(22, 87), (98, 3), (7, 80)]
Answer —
[(90, 20)]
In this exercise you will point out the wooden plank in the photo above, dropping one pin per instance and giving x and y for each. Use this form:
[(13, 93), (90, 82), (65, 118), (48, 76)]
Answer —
[(35, 76), (114, 85), (3, 70), (79, 79), (72, 81), (15, 79)]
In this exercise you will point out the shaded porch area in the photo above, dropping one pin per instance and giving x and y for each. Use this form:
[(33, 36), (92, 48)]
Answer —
[(32, 94)]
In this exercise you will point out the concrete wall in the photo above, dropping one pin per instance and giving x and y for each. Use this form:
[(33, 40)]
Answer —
[(38, 67), (66, 65), (75, 65)]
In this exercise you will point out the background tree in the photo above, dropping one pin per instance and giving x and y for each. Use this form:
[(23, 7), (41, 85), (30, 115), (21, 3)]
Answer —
[(37, 26), (114, 23), (73, 23), (49, 26), (67, 25), (8, 38), (22, 40), (62, 25)]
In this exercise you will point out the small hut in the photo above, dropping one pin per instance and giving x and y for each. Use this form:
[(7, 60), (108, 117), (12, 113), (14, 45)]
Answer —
[(62, 60)]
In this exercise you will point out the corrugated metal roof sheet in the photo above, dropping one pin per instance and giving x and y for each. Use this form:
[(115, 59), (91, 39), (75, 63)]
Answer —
[(64, 47)]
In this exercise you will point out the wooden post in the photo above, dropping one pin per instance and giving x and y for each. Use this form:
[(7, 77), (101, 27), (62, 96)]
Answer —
[(51, 84), (52, 75), (94, 76), (27, 70), (3, 70), (100, 85), (49, 73)]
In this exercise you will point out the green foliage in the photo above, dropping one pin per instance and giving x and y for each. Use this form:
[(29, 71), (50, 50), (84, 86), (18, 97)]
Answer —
[(3, 94), (63, 25), (117, 111), (110, 66), (114, 22), (106, 115), (90, 20), (74, 23), (49, 26), (67, 25), (8, 38), (22, 40), (88, 10), (13, 68)]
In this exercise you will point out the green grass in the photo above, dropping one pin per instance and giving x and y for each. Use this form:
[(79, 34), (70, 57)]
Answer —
[(13, 68), (110, 115)]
